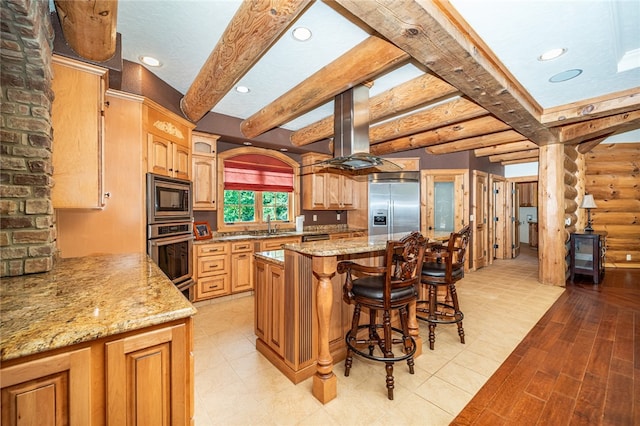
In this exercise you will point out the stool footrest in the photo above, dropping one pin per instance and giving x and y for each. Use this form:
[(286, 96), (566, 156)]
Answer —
[(354, 344)]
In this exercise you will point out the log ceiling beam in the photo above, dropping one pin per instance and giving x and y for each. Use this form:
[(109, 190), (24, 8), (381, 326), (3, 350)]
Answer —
[(254, 28), (587, 146), (453, 132), (520, 161), (420, 91), (592, 129), (89, 27), (451, 112), (613, 103), (530, 153), (504, 148), (435, 35), (363, 62), (480, 140)]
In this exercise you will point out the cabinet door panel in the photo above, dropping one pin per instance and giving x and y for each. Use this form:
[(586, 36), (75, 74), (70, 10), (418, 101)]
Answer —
[(78, 125), (181, 162), (159, 151), (276, 305), (54, 390), (204, 183), (241, 272), (147, 375)]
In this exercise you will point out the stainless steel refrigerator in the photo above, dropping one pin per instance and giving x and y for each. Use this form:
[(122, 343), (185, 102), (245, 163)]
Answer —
[(394, 203)]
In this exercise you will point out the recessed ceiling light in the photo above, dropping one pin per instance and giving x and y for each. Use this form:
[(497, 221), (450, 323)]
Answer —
[(247, 143), (565, 75), (284, 149), (552, 54), (150, 60), (301, 33), (242, 89)]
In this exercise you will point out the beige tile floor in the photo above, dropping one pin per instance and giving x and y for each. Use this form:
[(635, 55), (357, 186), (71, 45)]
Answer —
[(235, 385)]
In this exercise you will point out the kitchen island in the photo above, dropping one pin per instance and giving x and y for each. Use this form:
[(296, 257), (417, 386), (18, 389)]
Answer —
[(301, 319), (91, 338)]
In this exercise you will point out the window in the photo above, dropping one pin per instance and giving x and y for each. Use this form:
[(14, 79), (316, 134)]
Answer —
[(259, 186)]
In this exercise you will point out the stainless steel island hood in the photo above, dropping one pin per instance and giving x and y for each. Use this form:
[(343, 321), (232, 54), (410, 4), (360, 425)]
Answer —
[(351, 135)]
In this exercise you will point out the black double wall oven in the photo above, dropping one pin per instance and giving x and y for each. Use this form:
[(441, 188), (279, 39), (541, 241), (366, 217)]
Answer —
[(170, 228)]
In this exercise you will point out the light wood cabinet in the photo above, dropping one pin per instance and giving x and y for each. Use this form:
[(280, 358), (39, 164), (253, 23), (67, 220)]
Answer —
[(204, 170), (270, 304), (82, 234), (143, 377), (241, 266), (350, 234), (528, 194), (52, 390), (147, 378), (326, 190), (269, 244), (212, 270), (78, 132), (168, 142)]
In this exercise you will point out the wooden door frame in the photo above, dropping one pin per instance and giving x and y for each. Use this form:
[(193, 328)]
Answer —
[(482, 243), (499, 218)]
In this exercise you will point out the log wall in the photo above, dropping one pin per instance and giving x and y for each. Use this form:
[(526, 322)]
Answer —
[(612, 175)]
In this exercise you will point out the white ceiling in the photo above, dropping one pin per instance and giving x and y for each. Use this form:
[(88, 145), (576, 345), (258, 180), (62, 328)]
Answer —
[(597, 34)]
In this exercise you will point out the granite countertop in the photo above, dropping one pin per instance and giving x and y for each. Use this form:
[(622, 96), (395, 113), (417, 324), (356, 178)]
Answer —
[(281, 233), (349, 245), (273, 256), (83, 299)]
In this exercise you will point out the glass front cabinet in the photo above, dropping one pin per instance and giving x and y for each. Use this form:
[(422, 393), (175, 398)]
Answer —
[(587, 255)]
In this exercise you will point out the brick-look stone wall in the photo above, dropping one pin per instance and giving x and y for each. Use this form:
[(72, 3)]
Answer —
[(27, 232)]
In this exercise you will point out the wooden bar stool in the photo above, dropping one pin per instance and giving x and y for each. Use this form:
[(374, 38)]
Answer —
[(385, 288), (443, 266)]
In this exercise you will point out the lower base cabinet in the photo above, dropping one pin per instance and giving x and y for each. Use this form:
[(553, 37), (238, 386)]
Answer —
[(53, 390), (138, 378), (269, 304)]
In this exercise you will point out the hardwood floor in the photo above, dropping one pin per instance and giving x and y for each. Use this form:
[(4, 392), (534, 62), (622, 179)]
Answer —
[(578, 365)]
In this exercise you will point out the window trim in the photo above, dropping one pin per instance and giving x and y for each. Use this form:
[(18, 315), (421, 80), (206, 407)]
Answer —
[(258, 225)]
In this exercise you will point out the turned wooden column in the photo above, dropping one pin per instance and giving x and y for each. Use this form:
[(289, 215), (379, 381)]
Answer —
[(324, 381)]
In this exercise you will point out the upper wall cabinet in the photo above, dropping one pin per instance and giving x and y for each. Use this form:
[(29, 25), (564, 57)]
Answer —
[(78, 129), (203, 160), (168, 142), (528, 194), (326, 190)]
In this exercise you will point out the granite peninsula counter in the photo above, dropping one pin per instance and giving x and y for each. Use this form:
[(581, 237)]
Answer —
[(87, 319)]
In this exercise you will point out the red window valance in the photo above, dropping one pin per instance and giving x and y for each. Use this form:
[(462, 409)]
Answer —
[(255, 172)]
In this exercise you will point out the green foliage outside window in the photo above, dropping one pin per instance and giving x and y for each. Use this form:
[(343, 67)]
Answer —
[(275, 205), (239, 206)]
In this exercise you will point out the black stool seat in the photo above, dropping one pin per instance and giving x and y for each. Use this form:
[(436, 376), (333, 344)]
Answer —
[(443, 266), (384, 288)]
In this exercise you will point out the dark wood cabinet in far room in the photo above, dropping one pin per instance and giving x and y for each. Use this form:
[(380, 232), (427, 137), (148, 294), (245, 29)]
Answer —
[(587, 255)]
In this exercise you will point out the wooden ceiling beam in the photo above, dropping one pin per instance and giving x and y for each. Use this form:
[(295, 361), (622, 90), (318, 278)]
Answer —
[(587, 130), (453, 132), (253, 29), (422, 90), (504, 148), (481, 140), (366, 60), (435, 34), (613, 103), (520, 161), (530, 153), (451, 112), (89, 27)]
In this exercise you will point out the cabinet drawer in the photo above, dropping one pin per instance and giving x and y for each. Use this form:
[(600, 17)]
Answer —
[(212, 249), (241, 247), (276, 244), (212, 265), (217, 285)]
